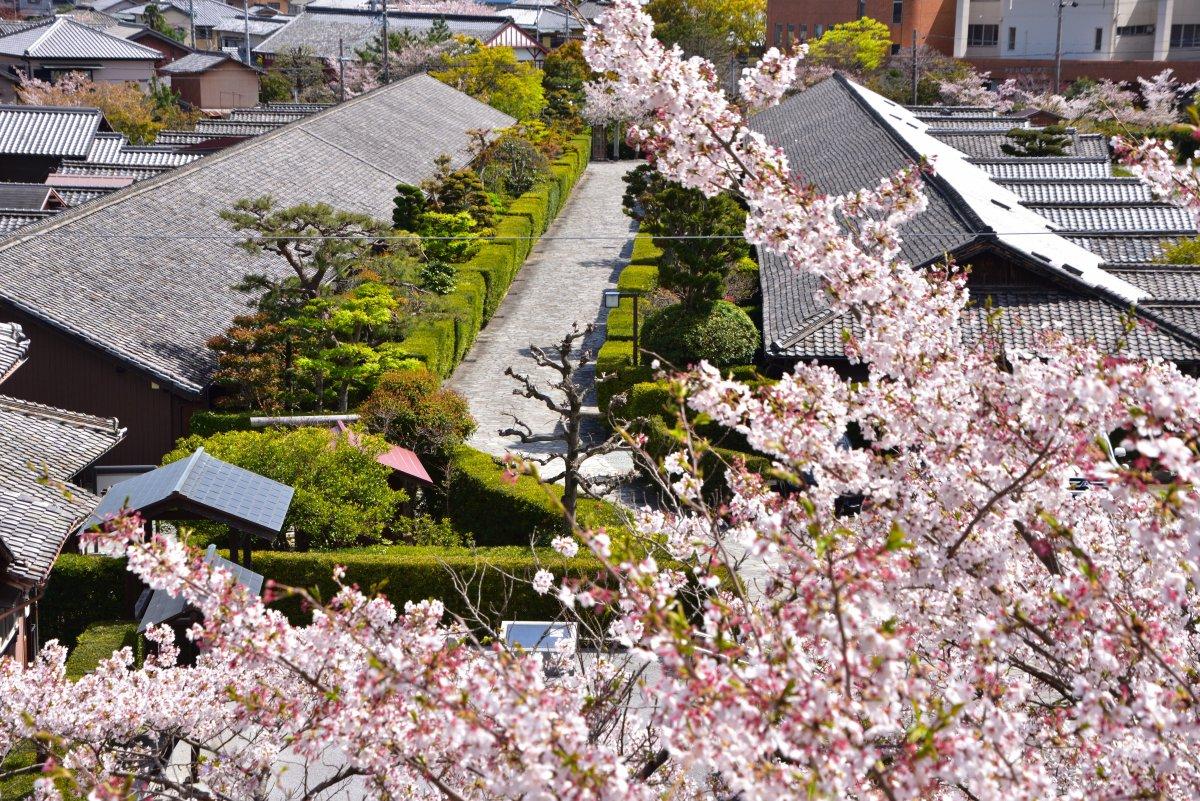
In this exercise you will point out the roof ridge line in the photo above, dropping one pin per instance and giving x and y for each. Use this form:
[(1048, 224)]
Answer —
[(187, 470), (82, 419), (49, 27)]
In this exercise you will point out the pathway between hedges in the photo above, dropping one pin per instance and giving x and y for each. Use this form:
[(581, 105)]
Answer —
[(560, 283)]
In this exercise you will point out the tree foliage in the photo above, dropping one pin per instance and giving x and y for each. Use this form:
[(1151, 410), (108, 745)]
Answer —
[(451, 191), (718, 30), (296, 74), (859, 46), (411, 408), (563, 76), (136, 114), (342, 493), (495, 76), (1052, 140)]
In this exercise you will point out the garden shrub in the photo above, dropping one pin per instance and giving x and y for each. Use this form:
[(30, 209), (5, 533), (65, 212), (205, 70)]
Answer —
[(82, 589), (205, 424), (406, 573), (412, 409), (99, 641), (500, 509), (645, 251), (639, 278), (721, 333), (342, 493)]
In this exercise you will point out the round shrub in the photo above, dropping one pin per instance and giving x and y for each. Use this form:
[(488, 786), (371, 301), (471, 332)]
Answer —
[(721, 333)]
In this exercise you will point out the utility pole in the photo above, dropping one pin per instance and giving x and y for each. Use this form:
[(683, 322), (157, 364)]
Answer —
[(246, 29), (1062, 4), (192, 22), (914, 68), (387, 72), (341, 72)]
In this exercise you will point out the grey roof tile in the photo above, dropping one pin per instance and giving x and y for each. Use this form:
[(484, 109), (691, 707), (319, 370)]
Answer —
[(1045, 169), (124, 273), (214, 128), (1166, 282), (203, 485), (1087, 192), (197, 62), (163, 607), (1123, 249), (36, 517), (266, 115), (56, 441), (1162, 219), (48, 130), (75, 197), (14, 348), (320, 29), (64, 38), (987, 144), (12, 220), (25, 197), (111, 170), (208, 13)]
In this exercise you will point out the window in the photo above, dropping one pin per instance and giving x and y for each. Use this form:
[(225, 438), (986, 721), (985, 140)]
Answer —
[(1099, 40), (862, 8), (895, 49), (897, 11), (778, 33), (983, 35), (791, 37), (1187, 35), (804, 31), (818, 29), (1135, 30), (1012, 38)]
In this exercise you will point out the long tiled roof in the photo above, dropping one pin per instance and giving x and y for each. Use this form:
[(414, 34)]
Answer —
[(74, 197), (208, 12), (971, 124), (320, 29), (36, 517), (988, 144), (64, 38), (265, 115), (111, 170), (1163, 219), (24, 197), (198, 62), (48, 130), (1044, 169), (1126, 249), (139, 274), (1089, 192), (14, 348), (236, 127), (1168, 283), (12, 220), (57, 442)]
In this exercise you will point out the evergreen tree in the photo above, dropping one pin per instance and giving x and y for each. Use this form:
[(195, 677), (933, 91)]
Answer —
[(1034, 142)]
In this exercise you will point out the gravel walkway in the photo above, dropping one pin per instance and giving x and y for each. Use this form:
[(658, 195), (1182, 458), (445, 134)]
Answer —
[(561, 283)]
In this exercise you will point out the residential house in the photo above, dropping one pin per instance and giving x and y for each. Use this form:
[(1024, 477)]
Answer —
[(34, 140), (59, 46), (1050, 241), (46, 451), (169, 48), (123, 292), (257, 27), (324, 32), (178, 14), (213, 81), (1116, 39)]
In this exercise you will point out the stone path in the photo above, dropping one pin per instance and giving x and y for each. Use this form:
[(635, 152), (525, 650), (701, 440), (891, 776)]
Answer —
[(561, 283)]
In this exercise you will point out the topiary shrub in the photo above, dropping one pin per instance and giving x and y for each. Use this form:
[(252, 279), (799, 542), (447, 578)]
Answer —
[(721, 333)]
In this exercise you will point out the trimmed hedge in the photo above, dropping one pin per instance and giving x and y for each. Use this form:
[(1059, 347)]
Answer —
[(205, 424), (99, 641), (484, 280), (83, 589), (408, 573), (500, 510)]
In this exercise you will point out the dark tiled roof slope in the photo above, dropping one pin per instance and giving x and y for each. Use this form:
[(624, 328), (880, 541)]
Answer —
[(139, 274), (56, 441), (833, 142), (64, 38), (989, 145), (1088, 192), (14, 348), (1131, 219), (321, 29), (47, 130), (36, 517)]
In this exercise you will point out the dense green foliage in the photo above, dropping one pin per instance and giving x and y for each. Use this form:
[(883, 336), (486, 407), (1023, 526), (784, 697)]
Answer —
[(452, 191), (700, 237), (483, 281), (860, 45), (408, 206), (81, 590), (1185, 251), (563, 76), (342, 494), (495, 76), (411, 408), (718, 30), (99, 641), (500, 508), (721, 333)]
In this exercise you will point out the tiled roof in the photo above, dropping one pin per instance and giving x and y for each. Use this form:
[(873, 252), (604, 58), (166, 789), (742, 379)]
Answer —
[(1131, 219), (941, 112), (1166, 282), (189, 137), (1124, 249), (987, 145), (57, 442), (264, 115), (208, 12), (1045, 169), (151, 156), (109, 170), (24, 197), (48, 130), (64, 38), (36, 517), (12, 220), (106, 146), (825, 119), (1088, 192), (125, 273), (14, 348), (258, 27), (162, 607), (320, 29), (198, 62), (75, 197), (209, 488), (307, 108), (215, 128), (971, 124)]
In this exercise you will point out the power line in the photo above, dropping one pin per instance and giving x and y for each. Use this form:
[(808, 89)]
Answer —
[(232, 239)]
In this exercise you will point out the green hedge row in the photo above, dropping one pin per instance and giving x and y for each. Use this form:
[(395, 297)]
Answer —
[(414, 574), (484, 280), (99, 641), (81, 590), (615, 357), (499, 509)]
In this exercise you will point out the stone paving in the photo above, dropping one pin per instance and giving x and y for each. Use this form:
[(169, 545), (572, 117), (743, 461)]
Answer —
[(561, 283)]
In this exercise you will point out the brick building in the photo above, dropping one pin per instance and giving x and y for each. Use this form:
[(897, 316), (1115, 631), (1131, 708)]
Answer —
[(1117, 39)]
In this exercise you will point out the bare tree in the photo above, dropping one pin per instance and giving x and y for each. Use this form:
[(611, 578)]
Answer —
[(565, 397)]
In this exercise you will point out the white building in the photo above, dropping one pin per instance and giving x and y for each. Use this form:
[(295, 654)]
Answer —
[(1092, 30)]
